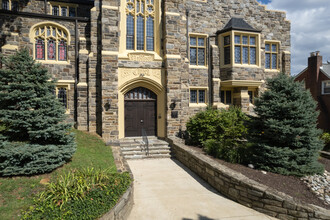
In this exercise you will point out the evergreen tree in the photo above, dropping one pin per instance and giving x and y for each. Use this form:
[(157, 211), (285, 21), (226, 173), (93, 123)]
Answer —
[(284, 132), (30, 114)]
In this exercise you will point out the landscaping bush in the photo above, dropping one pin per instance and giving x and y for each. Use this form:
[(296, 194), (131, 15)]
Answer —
[(326, 138), (30, 116), (28, 159), (86, 194), (284, 134), (221, 132)]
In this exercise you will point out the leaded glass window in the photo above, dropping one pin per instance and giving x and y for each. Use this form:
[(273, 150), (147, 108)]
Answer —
[(140, 25), (197, 50), (198, 96), (62, 96), (56, 11), (5, 5), (63, 9), (245, 49), (50, 43), (227, 55), (226, 96), (72, 12), (271, 55)]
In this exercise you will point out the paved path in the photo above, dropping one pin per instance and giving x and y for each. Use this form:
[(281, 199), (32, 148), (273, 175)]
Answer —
[(165, 189)]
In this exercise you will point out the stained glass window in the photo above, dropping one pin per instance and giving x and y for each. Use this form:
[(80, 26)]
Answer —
[(271, 55), (197, 50), (140, 25), (50, 43), (62, 50), (40, 49)]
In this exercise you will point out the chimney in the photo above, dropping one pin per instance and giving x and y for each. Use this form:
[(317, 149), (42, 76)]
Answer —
[(314, 64)]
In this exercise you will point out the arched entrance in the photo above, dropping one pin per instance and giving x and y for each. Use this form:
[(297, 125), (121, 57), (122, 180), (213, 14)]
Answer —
[(140, 112)]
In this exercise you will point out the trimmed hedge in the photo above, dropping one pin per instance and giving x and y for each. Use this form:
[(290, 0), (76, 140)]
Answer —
[(28, 159)]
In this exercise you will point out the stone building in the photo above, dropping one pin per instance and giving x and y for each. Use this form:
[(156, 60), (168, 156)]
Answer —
[(124, 65)]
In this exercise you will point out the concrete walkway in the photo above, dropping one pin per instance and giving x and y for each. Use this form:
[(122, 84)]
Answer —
[(166, 189)]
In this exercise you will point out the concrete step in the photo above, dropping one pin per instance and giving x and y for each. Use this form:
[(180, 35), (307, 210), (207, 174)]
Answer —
[(151, 152), (139, 148), (134, 157)]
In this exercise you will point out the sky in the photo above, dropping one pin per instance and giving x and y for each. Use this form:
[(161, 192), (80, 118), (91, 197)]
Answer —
[(310, 28)]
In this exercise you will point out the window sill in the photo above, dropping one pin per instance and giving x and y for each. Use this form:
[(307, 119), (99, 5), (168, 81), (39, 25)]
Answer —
[(272, 70), (53, 62), (197, 67), (199, 105), (239, 65)]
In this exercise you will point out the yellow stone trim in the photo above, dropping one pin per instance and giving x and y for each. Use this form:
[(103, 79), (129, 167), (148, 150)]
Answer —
[(61, 5), (172, 56), (109, 53), (216, 80), (116, 8), (278, 45), (14, 34), (286, 52), (172, 14), (9, 47), (197, 67), (84, 39), (91, 54), (83, 51), (53, 62), (204, 104), (93, 9), (82, 84), (241, 83), (197, 105)]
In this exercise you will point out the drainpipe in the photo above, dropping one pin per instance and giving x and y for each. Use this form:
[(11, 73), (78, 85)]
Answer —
[(76, 72), (187, 16), (45, 6), (210, 68)]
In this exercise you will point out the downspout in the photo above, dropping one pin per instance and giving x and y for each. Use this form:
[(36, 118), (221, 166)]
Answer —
[(45, 6), (210, 68), (187, 24), (76, 73)]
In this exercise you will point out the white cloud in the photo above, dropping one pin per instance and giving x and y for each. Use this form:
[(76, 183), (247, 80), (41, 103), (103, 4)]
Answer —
[(310, 29)]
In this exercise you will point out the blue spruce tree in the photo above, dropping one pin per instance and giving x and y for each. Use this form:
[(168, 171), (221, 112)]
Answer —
[(284, 133), (34, 137)]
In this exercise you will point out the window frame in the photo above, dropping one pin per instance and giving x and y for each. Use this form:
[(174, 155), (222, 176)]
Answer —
[(10, 5), (232, 45), (225, 90), (323, 87), (145, 15), (198, 36), (63, 35), (67, 87), (61, 5), (198, 103), (277, 43)]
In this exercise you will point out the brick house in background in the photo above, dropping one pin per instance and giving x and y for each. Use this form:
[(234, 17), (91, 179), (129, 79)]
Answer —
[(317, 80), (126, 64)]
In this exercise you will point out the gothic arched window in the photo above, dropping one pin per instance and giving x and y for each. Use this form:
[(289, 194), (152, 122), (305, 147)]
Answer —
[(50, 43), (140, 25)]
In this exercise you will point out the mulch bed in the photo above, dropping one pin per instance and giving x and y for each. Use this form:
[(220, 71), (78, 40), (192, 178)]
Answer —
[(289, 185)]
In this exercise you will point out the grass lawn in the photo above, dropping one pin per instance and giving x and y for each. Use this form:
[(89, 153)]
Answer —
[(17, 193)]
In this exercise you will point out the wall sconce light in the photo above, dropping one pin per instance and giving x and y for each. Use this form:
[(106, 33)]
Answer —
[(172, 105), (107, 105)]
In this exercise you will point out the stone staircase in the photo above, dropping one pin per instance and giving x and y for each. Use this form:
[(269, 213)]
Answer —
[(134, 148)]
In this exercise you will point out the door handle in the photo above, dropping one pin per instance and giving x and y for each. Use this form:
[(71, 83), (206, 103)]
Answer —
[(141, 121)]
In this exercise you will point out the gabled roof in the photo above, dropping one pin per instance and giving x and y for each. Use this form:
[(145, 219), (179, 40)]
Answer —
[(237, 24)]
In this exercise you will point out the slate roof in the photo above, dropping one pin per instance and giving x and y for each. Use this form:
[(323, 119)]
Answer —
[(237, 24)]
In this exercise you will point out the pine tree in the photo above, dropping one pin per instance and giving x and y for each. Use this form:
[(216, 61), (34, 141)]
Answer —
[(30, 114), (284, 133)]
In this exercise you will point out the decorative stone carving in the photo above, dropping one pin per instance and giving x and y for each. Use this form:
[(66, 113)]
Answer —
[(141, 57), (128, 72)]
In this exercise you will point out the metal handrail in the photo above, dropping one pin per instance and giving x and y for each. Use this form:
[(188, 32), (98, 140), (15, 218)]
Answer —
[(145, 140)]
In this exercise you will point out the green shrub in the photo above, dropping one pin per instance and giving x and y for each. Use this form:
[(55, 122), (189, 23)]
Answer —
[(284, 134), (326, 138), (86, 194), (28, 159), (221, 132), (31, 115)]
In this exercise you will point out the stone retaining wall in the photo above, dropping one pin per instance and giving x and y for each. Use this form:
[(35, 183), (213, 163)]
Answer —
[(244, 190), (124, 206)]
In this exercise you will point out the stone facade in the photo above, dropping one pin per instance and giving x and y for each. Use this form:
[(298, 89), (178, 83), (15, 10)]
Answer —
[(100, 71)]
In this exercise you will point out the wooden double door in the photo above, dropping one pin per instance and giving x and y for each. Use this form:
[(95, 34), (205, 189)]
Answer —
[(140, 112)]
